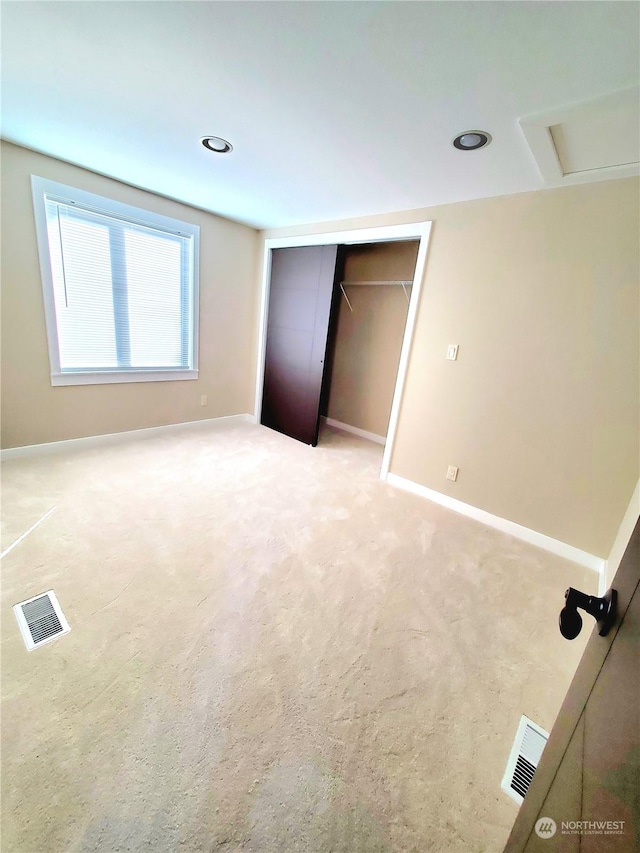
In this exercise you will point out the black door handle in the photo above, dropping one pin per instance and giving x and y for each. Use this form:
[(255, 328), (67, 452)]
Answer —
[(603, 610)]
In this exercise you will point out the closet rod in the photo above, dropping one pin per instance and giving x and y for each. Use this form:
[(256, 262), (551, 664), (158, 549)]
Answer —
[(398, 283)]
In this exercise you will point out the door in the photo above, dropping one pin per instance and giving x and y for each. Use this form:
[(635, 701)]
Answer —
[(584, 794), (300, 296)]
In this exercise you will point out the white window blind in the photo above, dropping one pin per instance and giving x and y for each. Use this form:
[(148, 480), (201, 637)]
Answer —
[(120, 289)]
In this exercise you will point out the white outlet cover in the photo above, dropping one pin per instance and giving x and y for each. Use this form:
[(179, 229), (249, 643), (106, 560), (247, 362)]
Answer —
[(452, 473), (452, 352)]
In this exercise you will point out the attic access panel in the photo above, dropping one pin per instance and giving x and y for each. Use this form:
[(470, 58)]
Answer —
[(590, 141)]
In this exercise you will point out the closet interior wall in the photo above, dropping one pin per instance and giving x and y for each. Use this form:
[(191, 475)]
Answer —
[(366, 335)]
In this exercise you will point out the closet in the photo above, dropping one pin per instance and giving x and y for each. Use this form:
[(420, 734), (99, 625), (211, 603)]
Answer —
[(366, 335), (335, 325)]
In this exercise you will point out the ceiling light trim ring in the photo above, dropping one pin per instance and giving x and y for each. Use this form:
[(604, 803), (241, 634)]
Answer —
[(216, 144), (484, 139)]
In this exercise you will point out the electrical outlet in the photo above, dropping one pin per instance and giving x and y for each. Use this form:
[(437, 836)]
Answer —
[(203, 400), (452, 352), (452, 473)]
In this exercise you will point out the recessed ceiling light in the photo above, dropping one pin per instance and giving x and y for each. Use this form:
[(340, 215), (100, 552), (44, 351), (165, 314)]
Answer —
[(217, 144), (470, 140)]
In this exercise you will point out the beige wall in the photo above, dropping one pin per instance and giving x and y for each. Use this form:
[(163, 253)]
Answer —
[(541, 411), (394, 261), (369, 339), (32, 410)]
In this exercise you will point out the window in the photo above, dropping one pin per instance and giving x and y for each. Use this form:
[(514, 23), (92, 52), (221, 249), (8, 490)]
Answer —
[(120, 289)]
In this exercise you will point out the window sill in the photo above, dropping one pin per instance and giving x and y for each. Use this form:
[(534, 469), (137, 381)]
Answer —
[(122, 376)]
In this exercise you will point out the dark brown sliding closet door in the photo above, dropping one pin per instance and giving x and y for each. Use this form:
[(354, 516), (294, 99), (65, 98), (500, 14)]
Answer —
[(298, 323)]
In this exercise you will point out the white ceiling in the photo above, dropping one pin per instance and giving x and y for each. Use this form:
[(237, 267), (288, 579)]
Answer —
[(334, 109)]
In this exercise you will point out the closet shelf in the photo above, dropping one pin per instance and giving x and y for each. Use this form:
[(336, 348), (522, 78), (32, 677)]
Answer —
[(404, 283), (399, 283)]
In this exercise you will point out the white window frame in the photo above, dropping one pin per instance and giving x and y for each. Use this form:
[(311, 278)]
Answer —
[(41, 187)]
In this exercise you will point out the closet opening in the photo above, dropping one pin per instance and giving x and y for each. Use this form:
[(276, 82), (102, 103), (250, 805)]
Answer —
[(366, 330), (337, 322)]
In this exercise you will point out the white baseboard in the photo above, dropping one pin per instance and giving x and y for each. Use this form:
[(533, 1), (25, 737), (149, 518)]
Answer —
[(590, 561), (622, 539), (362, 433), (115, 437)]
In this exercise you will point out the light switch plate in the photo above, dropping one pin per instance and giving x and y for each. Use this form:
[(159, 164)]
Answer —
[(452, 352)]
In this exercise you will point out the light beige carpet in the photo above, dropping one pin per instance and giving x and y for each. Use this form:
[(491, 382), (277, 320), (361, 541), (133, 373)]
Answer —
[(271, 651)]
